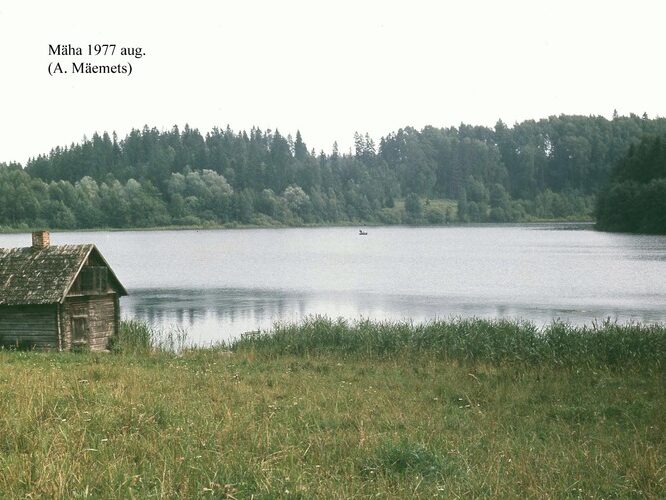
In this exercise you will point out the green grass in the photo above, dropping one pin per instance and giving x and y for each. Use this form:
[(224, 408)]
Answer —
[(336, 410)]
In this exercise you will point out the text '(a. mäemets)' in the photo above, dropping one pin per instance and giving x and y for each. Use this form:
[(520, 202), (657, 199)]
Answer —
[(119, 66)]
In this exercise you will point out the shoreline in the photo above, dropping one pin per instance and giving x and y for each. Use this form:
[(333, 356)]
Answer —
[(205, 227)]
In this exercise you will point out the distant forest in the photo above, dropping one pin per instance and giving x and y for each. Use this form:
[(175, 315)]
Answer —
[(551, 169), (634, 200)]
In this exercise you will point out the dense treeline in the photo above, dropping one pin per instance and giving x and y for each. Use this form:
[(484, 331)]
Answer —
[(635, 198), (546, 169)]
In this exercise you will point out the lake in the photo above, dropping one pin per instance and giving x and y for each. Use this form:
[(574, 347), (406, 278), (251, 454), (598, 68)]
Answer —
[(218, 284)]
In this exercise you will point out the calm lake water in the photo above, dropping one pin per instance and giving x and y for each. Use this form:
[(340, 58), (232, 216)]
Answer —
[(221, 283)]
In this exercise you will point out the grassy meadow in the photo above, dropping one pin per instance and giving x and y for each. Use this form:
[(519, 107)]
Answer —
[(328, 409)]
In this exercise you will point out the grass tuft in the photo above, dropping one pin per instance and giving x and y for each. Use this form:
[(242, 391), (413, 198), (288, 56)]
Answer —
[(402, 457)]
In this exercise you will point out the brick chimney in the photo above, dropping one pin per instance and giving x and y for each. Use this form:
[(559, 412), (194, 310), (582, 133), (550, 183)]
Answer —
[(40, 239)]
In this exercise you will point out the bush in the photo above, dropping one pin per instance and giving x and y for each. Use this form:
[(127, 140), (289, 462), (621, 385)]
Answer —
[(435, 215)]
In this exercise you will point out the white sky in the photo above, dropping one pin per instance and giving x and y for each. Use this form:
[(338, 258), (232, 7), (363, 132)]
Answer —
[(327, 68)]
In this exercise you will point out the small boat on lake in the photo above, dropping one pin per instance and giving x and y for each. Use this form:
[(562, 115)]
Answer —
[(362, 233)]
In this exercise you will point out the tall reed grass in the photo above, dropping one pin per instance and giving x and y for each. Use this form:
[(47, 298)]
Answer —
[(469, 340), (139, 338)]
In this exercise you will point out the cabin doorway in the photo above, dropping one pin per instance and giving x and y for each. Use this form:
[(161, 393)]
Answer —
[(80, 332)]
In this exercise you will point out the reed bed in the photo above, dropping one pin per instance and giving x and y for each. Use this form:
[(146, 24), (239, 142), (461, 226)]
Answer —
[(469, 340)]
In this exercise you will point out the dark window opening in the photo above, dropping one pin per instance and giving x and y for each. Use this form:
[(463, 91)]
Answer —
[(92, 279)]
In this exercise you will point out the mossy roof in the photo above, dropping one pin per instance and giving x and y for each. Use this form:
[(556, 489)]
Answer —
[(44, 275)]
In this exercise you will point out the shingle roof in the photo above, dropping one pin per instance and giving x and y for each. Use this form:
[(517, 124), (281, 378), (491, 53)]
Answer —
[(40, 275)]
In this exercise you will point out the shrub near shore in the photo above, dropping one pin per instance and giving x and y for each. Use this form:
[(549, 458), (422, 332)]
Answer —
[(334, 409)]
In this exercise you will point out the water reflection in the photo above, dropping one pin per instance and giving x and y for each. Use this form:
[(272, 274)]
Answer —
[(212, 315)]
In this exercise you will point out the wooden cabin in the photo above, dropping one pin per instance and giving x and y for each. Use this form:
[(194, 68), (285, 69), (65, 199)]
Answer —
[(57, 297)]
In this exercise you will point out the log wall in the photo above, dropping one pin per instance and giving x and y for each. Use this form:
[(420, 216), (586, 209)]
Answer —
[(29, 326)]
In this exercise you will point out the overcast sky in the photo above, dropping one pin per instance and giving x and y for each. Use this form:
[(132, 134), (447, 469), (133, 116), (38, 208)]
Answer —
[(328, 68)]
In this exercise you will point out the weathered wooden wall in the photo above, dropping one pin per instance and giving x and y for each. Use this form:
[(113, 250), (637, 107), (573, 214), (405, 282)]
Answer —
[(29, 326), (100, 312)]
